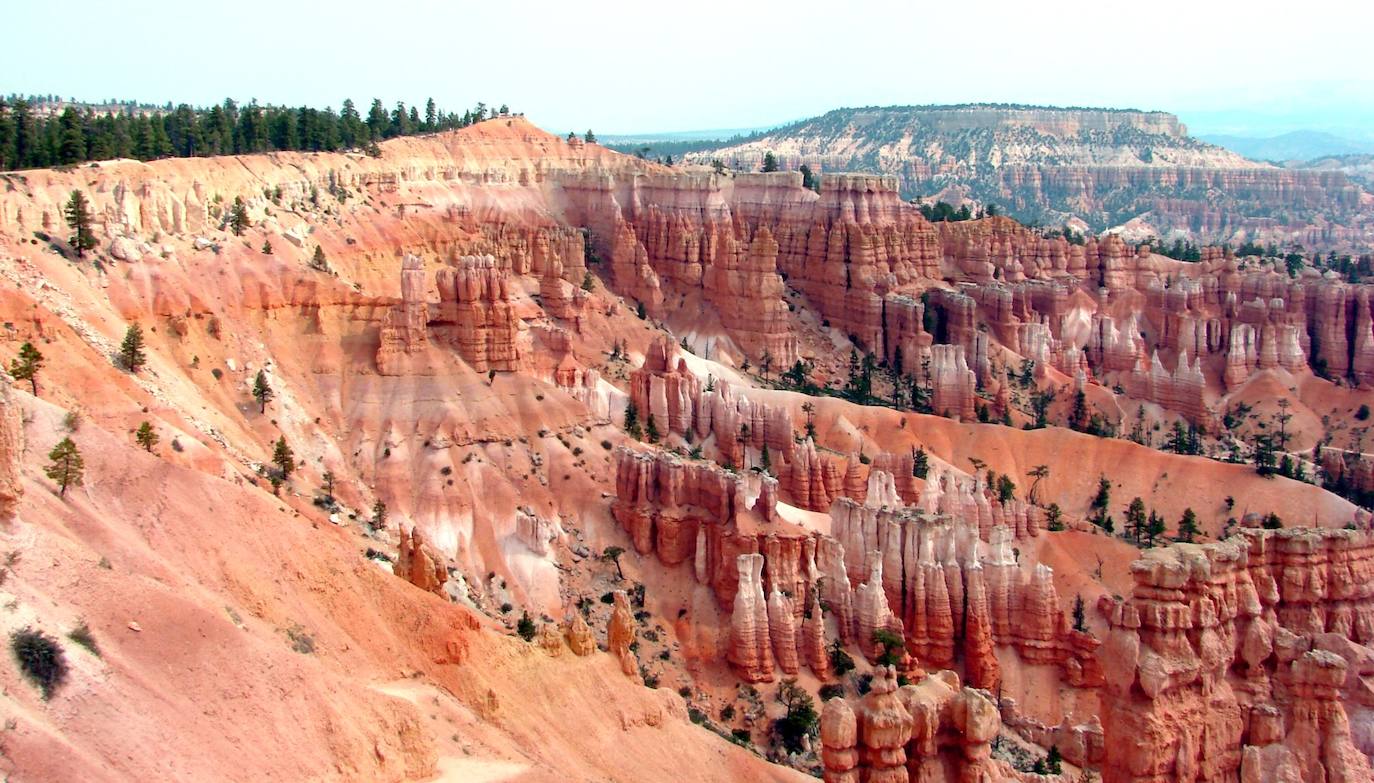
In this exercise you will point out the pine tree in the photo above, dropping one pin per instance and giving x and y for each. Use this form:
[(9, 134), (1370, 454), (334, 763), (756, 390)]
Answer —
[(651, 430), (1187, 526), (73, 144), (589, 137), (267, 247), (920, 464), (1136, 519), (283, 458), (632, 419), (8, 159), (67, 466), (1006, 489), (262, 391), (378, 520), (26, 366), (78, 212), (1078, 419), (770, 161), (376, 120), (146, 436), (1079, 615), (1155, 527), (1099, 505), (238, 217), (317, 261), (1054, 762), (131, 355), (766, 460), (1054, 518)]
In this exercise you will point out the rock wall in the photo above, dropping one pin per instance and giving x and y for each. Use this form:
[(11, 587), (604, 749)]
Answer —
[(956, 594), (1234, 659), (474, 317), (947, 582)]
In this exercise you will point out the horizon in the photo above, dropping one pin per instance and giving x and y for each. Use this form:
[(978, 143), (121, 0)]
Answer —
[(723, 134), (611, 67)]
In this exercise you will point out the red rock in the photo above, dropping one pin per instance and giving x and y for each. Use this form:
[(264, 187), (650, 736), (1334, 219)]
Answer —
[(782, 628), (1184, 703), (980, 660), (884, 730), (620, 634), (418, 564), (750, 648), (812, 640), (839, 742), (11, 448), (579, 635)]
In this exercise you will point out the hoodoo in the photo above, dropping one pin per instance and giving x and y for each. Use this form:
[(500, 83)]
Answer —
[(950, 444)]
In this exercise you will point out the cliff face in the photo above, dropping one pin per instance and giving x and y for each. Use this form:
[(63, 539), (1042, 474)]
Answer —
[(1105, 167), (1244, 657)]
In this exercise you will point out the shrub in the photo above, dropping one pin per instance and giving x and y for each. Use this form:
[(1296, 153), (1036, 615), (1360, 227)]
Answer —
[(301, 641), (82, 635), (801, 720), (742, 737), (1363, 413), (892, 645), (608, 597), (506, 608), (40, 658), (840, 661), (727, 713), (1055, 517), (525, 628), (832, 690), (863, 683)]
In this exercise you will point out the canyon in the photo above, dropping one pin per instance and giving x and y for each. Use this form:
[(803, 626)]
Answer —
[(598, 462)]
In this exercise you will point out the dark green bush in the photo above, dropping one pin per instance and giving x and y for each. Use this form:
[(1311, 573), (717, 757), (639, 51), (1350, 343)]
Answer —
[(40, 658)]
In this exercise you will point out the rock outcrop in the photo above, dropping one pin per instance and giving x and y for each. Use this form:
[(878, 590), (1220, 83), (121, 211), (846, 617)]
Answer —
[(751, 651), (579, 635), (933, 730), (474, 317), (419, 564), (11, 449), (474, 314), (1214, 666), (620, 634)]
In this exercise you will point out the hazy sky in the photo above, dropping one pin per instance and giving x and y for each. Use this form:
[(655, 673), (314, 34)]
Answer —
[(620, 67)]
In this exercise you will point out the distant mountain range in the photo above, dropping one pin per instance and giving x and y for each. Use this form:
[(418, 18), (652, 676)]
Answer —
[(1298, 145), (1137, 171)]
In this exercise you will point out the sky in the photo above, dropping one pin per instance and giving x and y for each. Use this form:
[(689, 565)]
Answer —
[(636, 67)]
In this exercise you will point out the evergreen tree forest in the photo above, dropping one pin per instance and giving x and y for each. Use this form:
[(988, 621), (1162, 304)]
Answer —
[(34, 135)]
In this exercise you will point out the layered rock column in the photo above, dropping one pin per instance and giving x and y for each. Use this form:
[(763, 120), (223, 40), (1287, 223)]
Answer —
[(1216, 645), (620, 634), (751, 651)]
